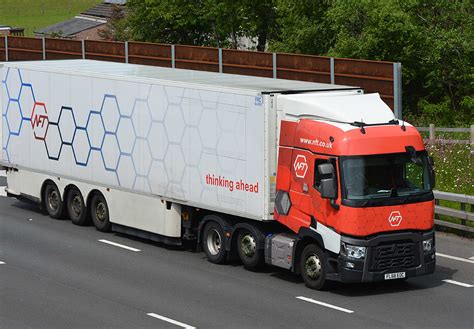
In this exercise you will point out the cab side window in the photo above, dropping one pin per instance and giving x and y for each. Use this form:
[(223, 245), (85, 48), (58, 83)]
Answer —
[(317, 177)]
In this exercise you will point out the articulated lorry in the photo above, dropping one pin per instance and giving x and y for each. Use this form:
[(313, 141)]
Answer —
[(318, 179)]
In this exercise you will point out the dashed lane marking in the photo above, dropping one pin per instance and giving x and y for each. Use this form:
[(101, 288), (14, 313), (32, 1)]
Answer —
[(462, 284), (2, 263), (455, 258), (164, 318), (471, 258), (306, 299), (119, 245)]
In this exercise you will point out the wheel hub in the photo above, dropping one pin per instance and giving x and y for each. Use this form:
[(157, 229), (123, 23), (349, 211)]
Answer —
[(248, 245), (214, 242), (313, 266), (76, 205), (53, 200), (101, 211)]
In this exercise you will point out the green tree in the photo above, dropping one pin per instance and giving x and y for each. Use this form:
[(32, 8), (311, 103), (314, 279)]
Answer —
[(431, 38), (202, 22), (116, 27), (301, 27)]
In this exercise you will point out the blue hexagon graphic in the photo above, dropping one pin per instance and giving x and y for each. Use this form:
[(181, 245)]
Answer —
[(126, 135), (14, 117), (53, 142), (110, 152), (158, 141), (141, 157), (81, 147), (141, 118), (67, 125), (126, 171), (5, 133), (27, 100), (95, 130), (13, 83), (110, 113), (174, 124)]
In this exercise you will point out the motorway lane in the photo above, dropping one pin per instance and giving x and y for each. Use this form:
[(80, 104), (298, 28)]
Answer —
[(58, 275)]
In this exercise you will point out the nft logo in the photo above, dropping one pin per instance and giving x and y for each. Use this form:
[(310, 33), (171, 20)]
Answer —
[(300, 166), (395, 218), (39, 121)]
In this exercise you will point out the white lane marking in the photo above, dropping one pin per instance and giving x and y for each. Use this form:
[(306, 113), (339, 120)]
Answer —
[(471, 258), (325, 304), (160, 317), (119, 245), (462, 284), (455, 258), (2, 263)]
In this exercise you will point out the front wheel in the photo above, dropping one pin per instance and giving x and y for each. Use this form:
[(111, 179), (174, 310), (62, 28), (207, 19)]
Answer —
[(213, 243), (313, 267), (100, 213), (247, 247)]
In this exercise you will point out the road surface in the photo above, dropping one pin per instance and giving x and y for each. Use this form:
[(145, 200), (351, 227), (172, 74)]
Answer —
[(54, 274)]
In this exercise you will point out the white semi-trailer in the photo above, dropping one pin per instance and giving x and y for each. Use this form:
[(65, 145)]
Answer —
[(244, 165)]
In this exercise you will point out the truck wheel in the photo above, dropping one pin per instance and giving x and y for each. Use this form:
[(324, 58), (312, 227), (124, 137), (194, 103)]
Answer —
[(313, 267), (213, 243), (100, 213), (52, 201), (250, 255), (76, 207)]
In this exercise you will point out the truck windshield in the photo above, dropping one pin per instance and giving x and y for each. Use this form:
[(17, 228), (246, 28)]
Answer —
[(385, 176)]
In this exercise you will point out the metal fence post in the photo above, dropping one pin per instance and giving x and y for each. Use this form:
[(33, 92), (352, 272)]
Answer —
[(397, 89), (432, 132), (126, 51), (331, 70), (6, 48), (274, 64), (44, 48), (83, 45), (173, 57), (472, 147), (220, 60)]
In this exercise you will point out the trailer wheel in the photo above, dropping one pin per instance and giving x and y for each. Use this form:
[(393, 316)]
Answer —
[(100, 213), (213, 243), (313, 267), (52, 201), (76, 208), (251, 256)]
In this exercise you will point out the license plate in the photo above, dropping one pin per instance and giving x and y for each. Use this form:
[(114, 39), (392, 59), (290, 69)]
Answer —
[(398, 275)]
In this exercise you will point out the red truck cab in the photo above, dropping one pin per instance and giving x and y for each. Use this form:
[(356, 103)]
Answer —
[(362, 190)]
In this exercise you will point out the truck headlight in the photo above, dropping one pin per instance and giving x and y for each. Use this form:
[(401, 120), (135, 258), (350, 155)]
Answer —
[(427, 245), (354, 252)]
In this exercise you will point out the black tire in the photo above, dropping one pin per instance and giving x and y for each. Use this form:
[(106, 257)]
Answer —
[(100, 213), (52, 201), (313, 267), (247, 248), (213, 243), (76, 207)]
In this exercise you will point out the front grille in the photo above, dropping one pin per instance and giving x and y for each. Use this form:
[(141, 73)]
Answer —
[(399, 262), (394, 256), (394, 250)]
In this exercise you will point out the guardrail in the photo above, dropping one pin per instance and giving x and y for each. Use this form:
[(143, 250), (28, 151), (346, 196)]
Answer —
[(462, 214), (432, 135)]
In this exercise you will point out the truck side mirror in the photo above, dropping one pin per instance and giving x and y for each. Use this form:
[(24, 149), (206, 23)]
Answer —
[(328, 186), (431, 172)]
